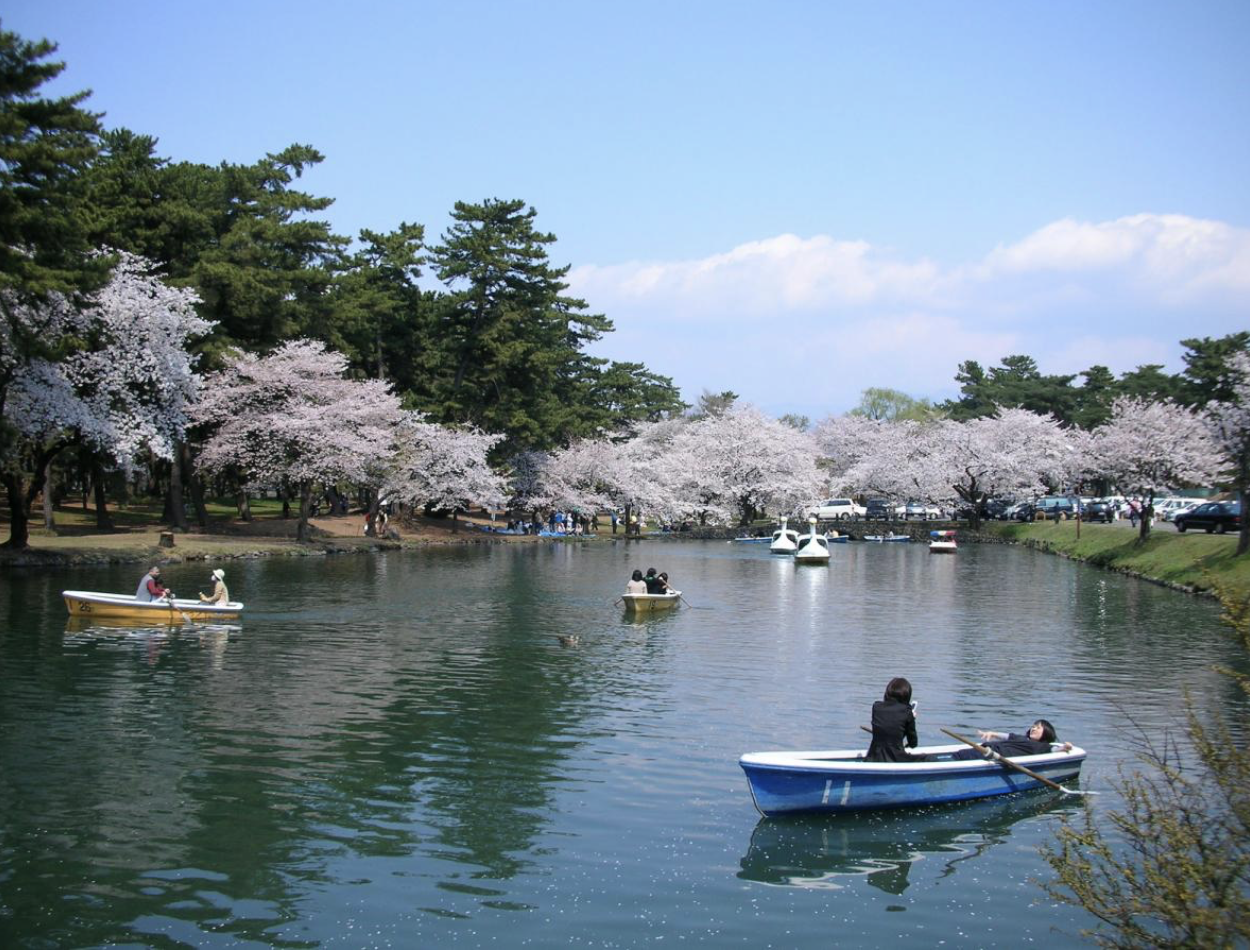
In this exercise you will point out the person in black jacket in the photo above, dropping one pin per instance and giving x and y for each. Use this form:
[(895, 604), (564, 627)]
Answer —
[(893, 724), (1037, 741)]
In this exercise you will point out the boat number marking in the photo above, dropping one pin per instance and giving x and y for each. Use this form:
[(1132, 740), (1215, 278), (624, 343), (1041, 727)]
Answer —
[(846, 791), (825, 799)]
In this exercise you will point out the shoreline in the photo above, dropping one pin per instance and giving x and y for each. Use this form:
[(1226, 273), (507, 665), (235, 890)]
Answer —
[(1192, 564)]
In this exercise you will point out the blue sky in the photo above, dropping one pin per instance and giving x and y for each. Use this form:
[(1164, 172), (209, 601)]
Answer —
[(794, 201)]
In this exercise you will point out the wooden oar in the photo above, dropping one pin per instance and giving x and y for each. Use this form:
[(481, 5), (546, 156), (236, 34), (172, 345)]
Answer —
[(186, 618), (996, 757)]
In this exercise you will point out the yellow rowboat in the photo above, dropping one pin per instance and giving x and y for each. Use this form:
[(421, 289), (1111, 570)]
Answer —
[(86, 603), (647, 603)]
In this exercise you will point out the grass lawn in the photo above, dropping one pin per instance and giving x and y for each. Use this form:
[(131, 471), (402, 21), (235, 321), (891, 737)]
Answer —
[(1200, 561)]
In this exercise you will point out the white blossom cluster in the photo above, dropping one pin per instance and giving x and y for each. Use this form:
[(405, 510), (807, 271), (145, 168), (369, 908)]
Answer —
[(127, 380)]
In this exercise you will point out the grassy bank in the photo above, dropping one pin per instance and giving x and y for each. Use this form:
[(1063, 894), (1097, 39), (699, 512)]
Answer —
[(136, 534), (1194, 562)]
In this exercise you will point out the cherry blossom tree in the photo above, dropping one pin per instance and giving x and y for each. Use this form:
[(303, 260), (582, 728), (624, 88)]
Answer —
[(589, 474), (121, 383), (1230, 428), (741, 463), (443, 468), (1148, 447), (293, 416), (1013, 452)]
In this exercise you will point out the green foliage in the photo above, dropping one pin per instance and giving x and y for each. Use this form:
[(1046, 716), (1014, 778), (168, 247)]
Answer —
[(891, 405), (1173, 869), (44, 146), (240, 234), (1205, 378), (1015, 384), (713, 404), (378, 318), (1019, 383), (506, 345)]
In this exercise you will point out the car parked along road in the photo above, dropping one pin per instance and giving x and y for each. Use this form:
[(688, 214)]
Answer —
[(836, 509), (1217, 516)]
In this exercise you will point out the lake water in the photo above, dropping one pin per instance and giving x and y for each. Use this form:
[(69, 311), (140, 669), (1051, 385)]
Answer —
[(473, 746)]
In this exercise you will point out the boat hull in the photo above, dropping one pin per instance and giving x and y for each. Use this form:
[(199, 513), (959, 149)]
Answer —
[(85, 603), (942, 547), (785, 782), (649, 603)]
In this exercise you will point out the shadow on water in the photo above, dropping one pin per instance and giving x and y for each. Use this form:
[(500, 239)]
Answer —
[(820, 851)]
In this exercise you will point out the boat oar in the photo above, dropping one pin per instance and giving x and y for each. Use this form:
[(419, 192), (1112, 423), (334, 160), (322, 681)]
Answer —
[(186, 618), (996, 757)]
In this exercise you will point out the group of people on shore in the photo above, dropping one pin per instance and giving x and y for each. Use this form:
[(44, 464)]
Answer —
[(649, 583), (894, 732)]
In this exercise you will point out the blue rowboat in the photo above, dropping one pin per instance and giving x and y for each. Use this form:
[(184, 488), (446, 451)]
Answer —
[(783, 782)]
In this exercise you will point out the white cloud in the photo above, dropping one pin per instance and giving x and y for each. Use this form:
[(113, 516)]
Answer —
[(806, 323)]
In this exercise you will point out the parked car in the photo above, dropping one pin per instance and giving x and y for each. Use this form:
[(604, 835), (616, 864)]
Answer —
[(837, 509), (878, 509), (1098, 510), (918, 511), (1217, 516), (1057, 507), (1176, 505)]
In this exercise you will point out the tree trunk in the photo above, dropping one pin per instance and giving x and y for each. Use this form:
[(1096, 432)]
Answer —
[(241, 502), (177, 504), (197, 486), (19, 524), (49, 504), (21, 501), (1243, 536), (103, 520), (305, 506), (1147, 516)]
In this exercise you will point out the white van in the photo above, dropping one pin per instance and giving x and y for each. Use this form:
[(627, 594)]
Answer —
[(837, 509)]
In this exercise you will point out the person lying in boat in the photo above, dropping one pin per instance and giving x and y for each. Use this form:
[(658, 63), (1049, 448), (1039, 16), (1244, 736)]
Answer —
[(1037, 741), (636, 584), (893, 724), (151, 588), (219, 595)]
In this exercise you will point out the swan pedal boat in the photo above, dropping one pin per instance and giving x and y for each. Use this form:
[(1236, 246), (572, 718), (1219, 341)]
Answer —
[(87, 603), (647, 603), (841, 781)]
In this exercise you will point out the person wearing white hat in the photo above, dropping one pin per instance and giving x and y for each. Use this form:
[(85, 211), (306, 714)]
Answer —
[(220, 594)]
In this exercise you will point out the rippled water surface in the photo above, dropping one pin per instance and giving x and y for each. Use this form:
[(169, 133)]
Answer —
[(474, 746)]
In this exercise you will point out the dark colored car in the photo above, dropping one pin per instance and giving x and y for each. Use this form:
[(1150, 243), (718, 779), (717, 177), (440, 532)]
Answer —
[(1217, 516), (1056, 507), (878, 509), (1098, 511)]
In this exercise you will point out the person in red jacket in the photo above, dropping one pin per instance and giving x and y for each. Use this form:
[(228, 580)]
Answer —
[(151, 588)]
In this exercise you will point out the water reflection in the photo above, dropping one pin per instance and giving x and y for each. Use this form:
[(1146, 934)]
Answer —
[(147, 638), (465, 733), (820, 851)]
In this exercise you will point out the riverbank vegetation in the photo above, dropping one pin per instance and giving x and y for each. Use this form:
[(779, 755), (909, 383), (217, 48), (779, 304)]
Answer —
[(1184, 879), (1198, 562)]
